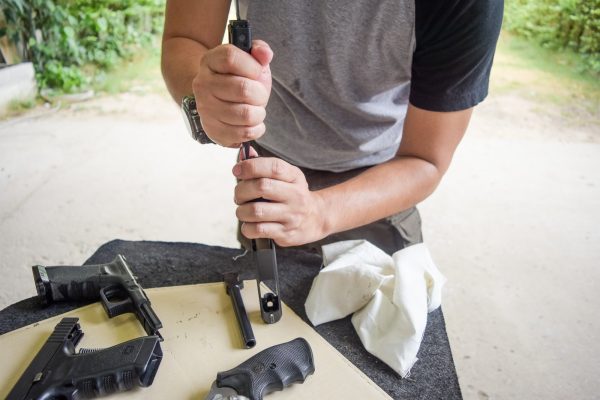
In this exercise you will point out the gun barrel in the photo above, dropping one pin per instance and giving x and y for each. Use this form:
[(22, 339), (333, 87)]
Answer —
[(233, 284)]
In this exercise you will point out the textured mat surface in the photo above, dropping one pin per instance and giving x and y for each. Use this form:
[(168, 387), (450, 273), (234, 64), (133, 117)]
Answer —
[(158, 264)]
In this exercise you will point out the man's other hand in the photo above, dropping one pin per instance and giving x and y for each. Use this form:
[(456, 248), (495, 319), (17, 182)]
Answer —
[(232, 89), (292, 216)]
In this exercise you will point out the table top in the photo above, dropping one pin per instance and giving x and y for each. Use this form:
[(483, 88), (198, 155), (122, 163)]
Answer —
[(159, 264)]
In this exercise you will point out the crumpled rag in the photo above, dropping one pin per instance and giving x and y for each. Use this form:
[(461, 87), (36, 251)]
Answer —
[(390, 297)]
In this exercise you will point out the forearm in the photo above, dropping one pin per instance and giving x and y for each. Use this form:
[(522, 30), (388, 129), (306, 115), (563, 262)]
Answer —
[(179, 63), (191, 28), (428, 144), (295, 215), (379, 192)]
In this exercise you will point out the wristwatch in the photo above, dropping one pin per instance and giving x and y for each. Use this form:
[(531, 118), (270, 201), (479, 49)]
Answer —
[(192, 120)]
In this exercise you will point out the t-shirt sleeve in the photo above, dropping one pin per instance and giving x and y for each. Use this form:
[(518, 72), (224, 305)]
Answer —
[(455, 45)]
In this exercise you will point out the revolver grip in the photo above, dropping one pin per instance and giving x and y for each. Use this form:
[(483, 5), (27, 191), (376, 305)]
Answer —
[(67, 283), (274, 368)]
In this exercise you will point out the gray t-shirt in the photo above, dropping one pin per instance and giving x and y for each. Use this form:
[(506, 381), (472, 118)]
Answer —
[(342, 73)]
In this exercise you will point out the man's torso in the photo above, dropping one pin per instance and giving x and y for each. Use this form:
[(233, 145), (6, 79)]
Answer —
[(341, 79)]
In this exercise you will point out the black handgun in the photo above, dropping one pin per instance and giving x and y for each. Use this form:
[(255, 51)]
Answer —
[(113, 283), (58, 372)]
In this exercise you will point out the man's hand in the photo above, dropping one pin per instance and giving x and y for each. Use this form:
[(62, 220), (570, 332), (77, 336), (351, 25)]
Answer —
[(232, 89), (293, 214)]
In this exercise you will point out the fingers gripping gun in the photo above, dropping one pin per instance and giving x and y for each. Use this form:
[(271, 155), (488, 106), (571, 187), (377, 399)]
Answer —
[(58, 372), (113, 283)]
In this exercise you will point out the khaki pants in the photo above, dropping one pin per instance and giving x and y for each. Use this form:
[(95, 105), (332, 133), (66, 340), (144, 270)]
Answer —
[(389, 234)]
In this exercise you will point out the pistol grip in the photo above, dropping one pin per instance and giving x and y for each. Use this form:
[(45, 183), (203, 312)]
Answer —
[(118, 368), (65, 283)]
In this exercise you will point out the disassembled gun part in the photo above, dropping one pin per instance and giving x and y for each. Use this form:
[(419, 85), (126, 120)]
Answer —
[(233, 286)]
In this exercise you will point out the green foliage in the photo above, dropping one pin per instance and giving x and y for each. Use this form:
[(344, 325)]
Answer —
[(61, 37), (559, 24)]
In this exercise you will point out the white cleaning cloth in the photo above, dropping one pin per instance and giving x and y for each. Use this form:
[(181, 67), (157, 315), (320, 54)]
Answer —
[(389, 296)]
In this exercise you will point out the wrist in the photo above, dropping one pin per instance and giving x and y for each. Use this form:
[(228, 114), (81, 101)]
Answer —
[(324, 213)]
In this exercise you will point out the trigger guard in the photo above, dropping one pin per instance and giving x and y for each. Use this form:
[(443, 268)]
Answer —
[(114, 308)]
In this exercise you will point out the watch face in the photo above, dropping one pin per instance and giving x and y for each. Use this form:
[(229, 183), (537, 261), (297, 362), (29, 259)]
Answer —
[(192, 120), (191, 117), (186, 119)]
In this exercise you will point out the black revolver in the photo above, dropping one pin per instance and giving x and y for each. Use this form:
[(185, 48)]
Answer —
[(112, 283), (58, 372)]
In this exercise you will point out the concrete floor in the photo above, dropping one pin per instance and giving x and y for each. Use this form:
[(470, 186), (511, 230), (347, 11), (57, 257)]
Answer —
[(514, 225)]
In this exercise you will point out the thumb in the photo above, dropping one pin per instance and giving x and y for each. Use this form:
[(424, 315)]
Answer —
[(262, 52)]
